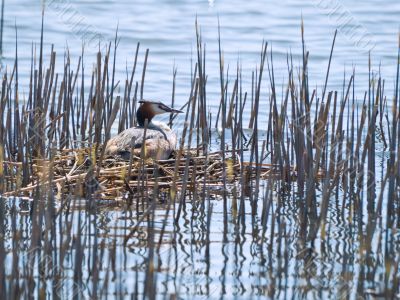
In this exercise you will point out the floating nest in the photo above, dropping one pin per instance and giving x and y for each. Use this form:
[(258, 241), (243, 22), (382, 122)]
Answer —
[(77, 172)]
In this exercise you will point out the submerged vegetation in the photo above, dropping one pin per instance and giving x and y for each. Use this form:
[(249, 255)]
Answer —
[(308, 205)]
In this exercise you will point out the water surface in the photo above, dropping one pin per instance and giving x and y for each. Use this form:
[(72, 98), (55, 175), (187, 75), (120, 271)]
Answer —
[(206, 255), (167, 28)]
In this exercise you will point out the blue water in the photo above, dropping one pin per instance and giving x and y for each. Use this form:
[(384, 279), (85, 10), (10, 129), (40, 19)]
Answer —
[(238, 266), (167, 28)]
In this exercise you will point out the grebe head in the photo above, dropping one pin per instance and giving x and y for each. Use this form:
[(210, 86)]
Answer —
[(148, 109)]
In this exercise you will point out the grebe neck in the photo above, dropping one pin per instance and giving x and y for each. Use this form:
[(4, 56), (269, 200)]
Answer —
[(141, 117)]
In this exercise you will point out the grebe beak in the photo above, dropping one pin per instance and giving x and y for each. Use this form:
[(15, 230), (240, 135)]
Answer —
[(175, 111)]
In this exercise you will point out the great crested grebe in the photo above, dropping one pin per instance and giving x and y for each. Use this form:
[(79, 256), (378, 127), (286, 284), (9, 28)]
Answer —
[(160, 140)]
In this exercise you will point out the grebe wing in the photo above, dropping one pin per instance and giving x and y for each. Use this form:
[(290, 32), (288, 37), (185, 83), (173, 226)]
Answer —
[(159, 142)]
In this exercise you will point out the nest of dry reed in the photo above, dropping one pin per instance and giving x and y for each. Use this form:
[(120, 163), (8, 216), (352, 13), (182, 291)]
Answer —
[(77, 171)]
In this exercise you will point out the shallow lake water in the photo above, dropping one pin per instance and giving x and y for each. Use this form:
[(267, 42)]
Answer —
[(206, 254), (167, 29)]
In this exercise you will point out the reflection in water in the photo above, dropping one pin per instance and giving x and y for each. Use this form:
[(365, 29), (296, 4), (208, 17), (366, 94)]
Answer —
[(203, 255)]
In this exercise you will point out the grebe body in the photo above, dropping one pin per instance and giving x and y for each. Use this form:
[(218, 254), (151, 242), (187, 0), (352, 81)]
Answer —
[(159, 140)]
